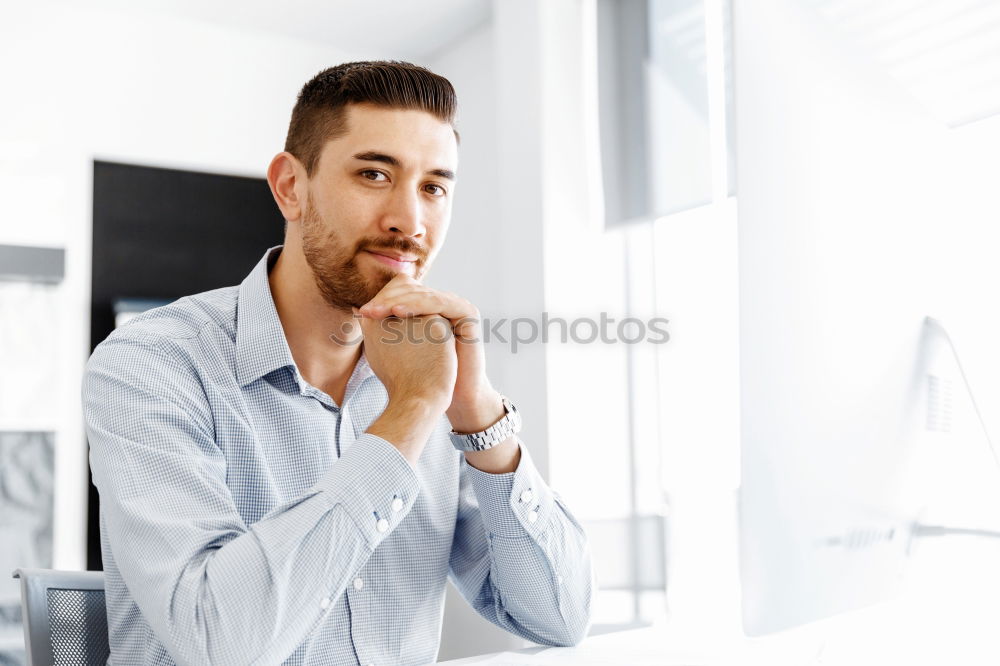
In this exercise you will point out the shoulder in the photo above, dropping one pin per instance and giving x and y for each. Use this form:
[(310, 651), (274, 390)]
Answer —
[(170, 343), (185, 318)]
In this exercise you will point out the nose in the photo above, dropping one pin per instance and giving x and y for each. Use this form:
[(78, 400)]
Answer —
[(403, 214)]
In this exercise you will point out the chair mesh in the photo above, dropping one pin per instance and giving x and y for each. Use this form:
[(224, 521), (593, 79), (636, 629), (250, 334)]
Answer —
[(79, 626)]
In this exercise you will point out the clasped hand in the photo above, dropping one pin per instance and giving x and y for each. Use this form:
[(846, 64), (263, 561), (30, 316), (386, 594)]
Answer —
[(427, 344)]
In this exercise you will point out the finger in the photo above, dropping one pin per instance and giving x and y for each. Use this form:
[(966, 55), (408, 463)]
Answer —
[(412, 304), (392, 292), (400, 281), (381, 305), (462, 315), (422, 301)]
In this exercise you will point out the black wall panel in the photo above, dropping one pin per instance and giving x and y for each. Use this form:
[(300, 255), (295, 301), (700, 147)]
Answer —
[(165, 233)]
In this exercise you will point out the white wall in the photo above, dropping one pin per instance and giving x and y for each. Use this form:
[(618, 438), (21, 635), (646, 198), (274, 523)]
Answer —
[(83, 84)]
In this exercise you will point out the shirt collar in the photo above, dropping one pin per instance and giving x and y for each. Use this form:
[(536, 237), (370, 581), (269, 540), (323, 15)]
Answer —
[(261, 347)]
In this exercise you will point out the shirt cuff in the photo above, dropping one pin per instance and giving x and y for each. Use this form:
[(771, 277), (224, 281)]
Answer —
[(515, 504), (375, 484)]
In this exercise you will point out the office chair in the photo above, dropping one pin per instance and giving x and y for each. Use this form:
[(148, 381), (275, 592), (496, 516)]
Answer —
[(65, 621)]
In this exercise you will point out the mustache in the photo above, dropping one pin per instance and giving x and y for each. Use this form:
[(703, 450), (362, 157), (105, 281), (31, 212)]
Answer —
[(402, 245)]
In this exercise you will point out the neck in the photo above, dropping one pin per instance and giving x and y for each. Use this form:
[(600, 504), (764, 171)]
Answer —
[(309, 322)]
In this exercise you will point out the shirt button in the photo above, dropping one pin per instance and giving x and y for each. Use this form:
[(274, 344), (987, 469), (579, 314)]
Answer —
[(559, 579), (397, 504), (527, 496), (358, 583), (325, 603), (382, 525), (533, 516)]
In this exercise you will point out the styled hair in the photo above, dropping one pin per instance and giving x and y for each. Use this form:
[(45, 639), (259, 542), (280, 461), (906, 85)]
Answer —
[(321, 108)]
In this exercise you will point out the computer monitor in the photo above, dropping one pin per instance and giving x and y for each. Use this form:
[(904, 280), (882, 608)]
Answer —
[(126, 309), (857, 427), (844, 474)]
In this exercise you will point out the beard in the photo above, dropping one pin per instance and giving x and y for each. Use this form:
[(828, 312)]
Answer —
[(334, 261)]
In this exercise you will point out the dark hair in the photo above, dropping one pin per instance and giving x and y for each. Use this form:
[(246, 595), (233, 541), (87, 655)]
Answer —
[(319, 113)]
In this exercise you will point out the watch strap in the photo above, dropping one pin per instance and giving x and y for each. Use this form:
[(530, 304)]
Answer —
[(508, 425)]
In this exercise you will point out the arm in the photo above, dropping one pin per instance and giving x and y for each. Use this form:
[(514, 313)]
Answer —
[(518, 555), (528, 575), (214, 589)]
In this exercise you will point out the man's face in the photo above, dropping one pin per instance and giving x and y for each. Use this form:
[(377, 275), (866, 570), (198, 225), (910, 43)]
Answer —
[(379, 202)]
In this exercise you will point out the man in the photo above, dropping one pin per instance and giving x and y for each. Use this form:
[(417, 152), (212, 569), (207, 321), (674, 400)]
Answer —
[(274, 492)]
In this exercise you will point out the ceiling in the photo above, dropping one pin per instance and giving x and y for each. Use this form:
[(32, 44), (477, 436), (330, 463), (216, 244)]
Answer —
[(391, 28), (946, 53)]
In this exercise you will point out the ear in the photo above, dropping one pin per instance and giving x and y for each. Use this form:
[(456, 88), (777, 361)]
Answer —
[(287, 179)]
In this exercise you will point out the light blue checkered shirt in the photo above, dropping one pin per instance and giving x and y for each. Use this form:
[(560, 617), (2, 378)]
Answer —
[(241, 506)]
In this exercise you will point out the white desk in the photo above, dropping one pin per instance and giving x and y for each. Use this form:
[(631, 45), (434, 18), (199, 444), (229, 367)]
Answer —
[(637, 647), (917, 630), (641, 647)]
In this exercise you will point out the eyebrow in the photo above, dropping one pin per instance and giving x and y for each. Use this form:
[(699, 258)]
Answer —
[(373, 156)]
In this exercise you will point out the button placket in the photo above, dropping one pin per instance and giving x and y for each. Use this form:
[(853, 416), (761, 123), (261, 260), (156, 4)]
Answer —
[(345, 430)]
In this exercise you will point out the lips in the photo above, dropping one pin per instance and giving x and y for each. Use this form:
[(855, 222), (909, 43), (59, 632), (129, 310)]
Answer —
[(401, 262), (394, 255)]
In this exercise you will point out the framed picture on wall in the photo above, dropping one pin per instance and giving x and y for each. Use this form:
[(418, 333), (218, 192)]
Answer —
[(26, 515)]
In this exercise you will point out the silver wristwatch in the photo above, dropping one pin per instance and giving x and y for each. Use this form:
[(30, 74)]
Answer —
[(498, 432)]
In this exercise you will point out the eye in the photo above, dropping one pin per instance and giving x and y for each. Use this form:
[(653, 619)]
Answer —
[(434, 189), (374, 175)]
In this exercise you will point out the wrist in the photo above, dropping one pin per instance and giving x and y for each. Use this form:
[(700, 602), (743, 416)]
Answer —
[(418, 406), (477, 414), (501, 459), (407, 423)]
